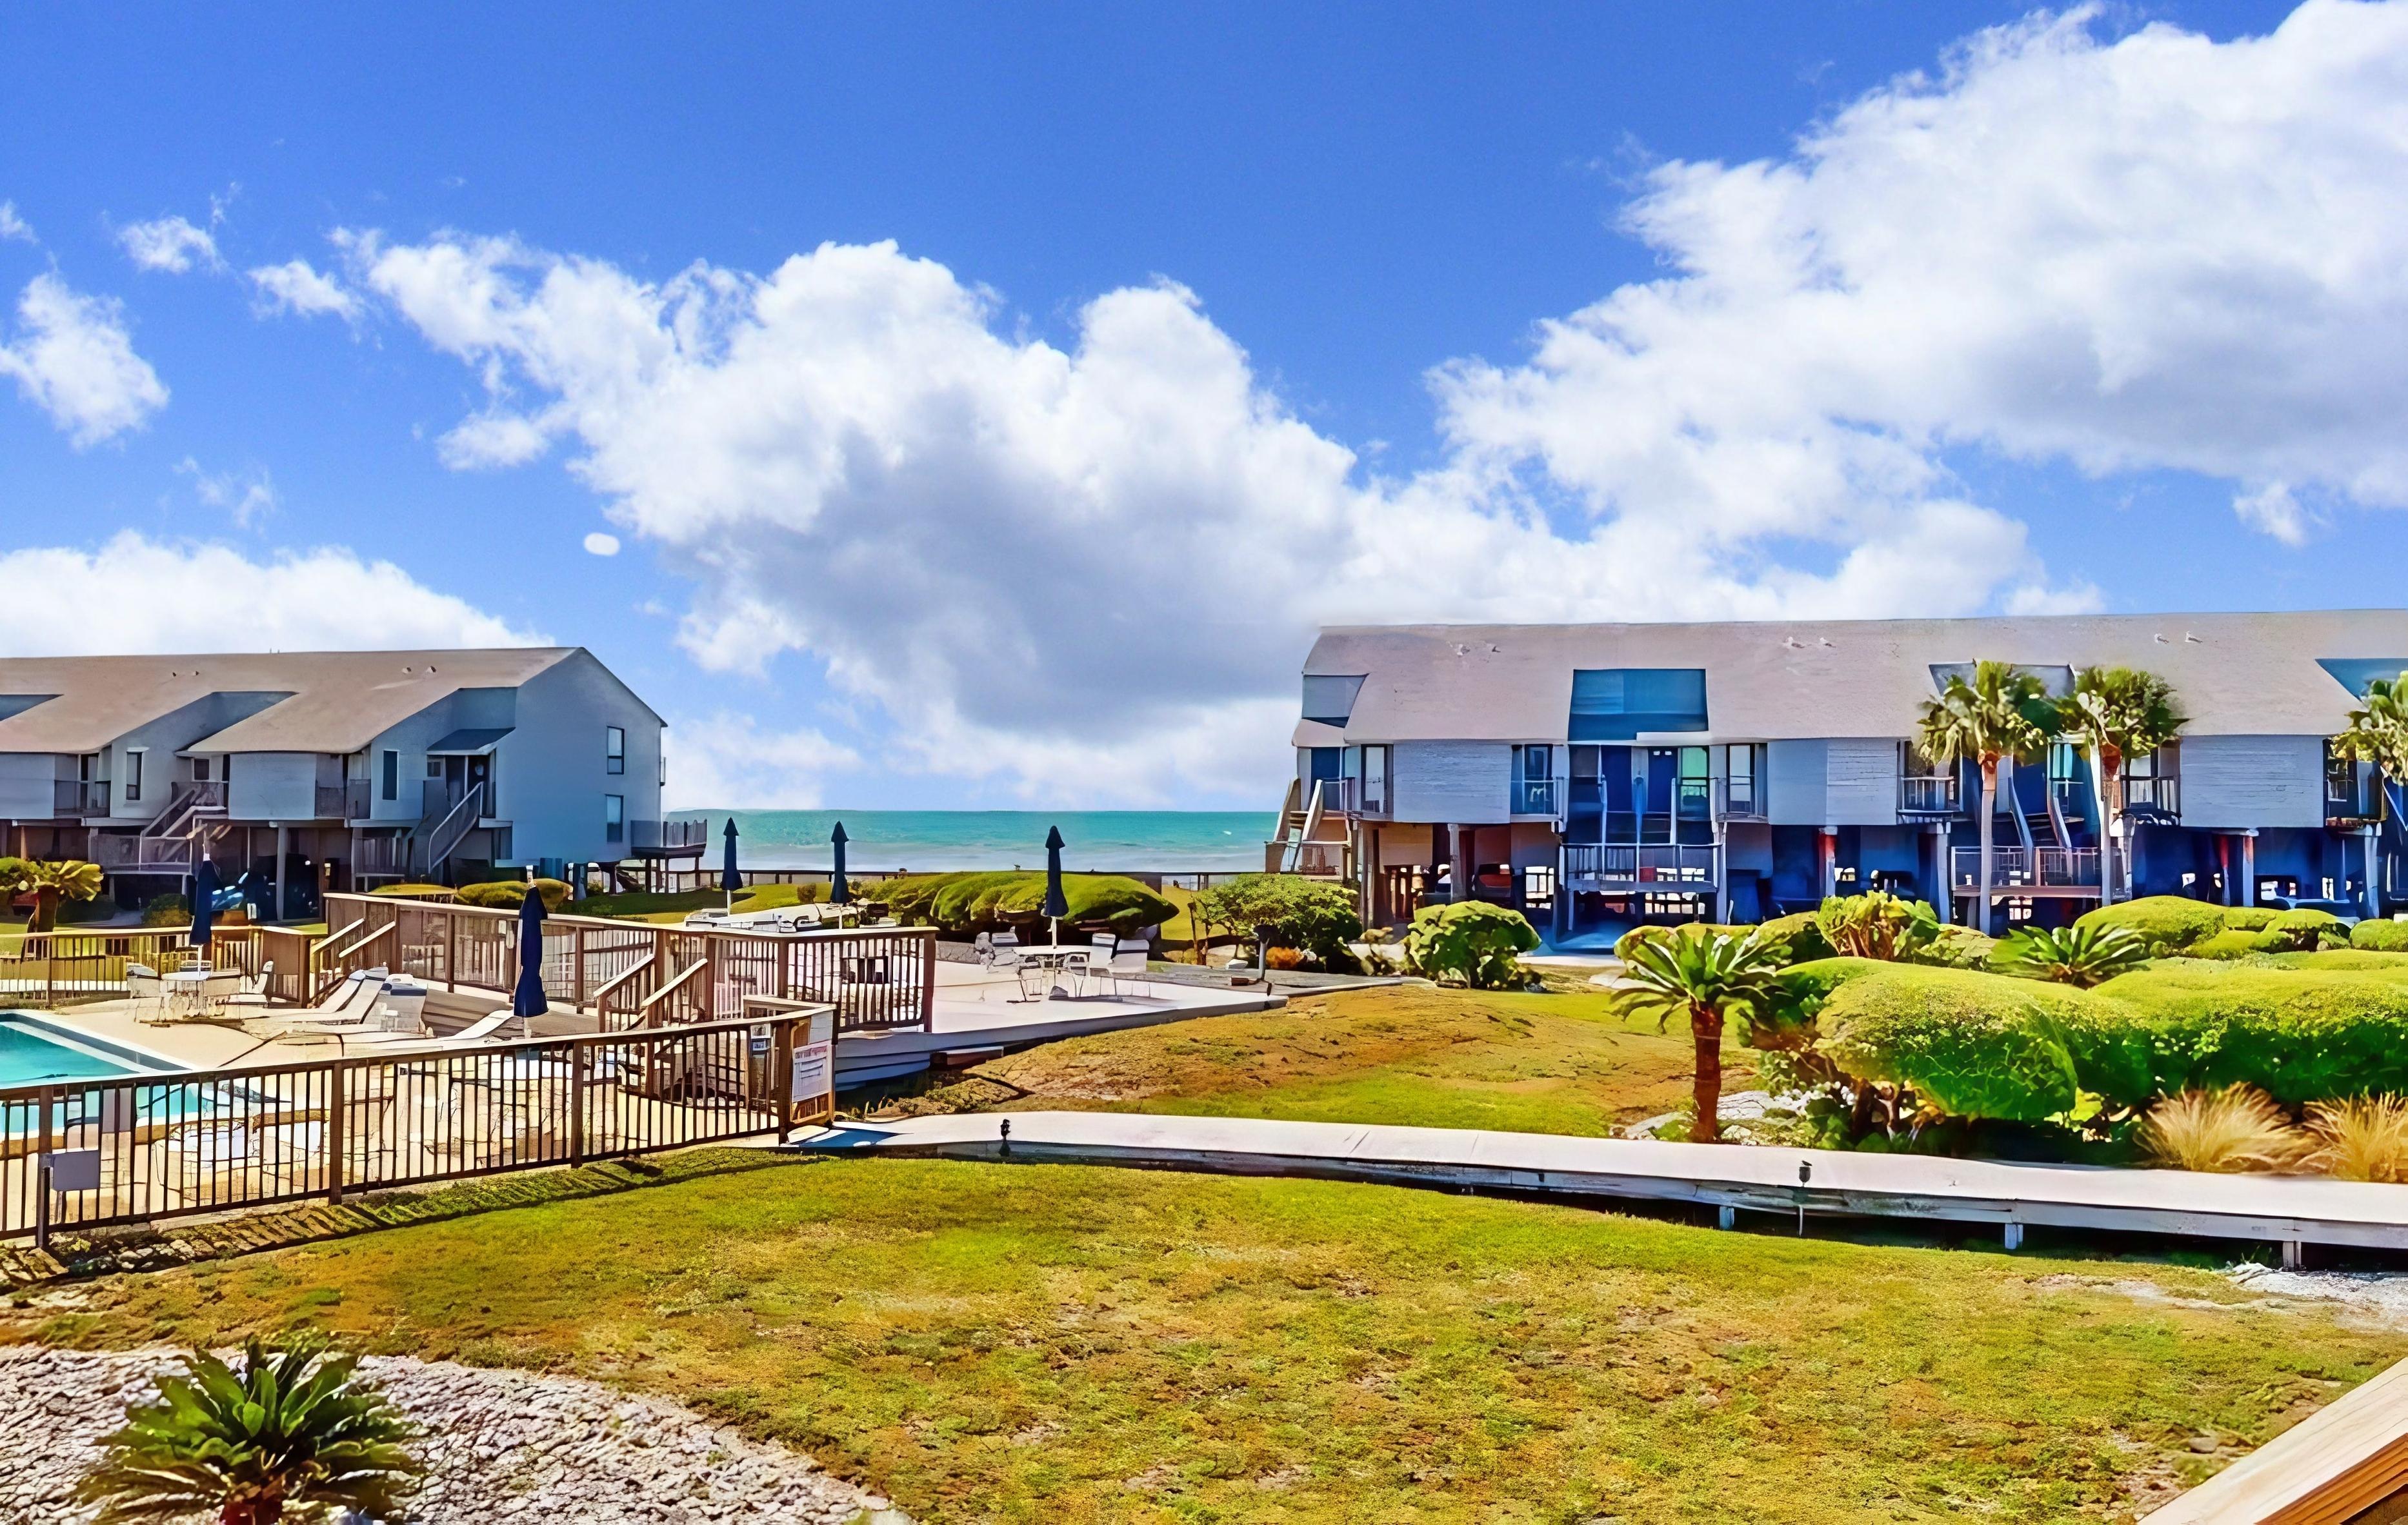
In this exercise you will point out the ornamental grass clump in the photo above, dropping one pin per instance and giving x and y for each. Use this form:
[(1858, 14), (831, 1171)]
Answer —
[(294, 1432), (2362, 1139), (2230, 1131)]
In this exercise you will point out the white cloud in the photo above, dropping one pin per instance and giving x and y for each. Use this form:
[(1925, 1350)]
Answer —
[(298, 288), (73, 359), (727, 760), (248, 496), (1095, 568), (162, 596), (598, 544), (2274, 510), (13, 228), (171, 244)]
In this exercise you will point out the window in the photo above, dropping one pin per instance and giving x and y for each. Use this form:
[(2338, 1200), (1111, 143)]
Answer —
[(1534, 781), (614, 817), (392, 779), (1616, 703), (133, 777), (1330, 700), (663, 752), (614, 749), (200, 770), (1375, 779)]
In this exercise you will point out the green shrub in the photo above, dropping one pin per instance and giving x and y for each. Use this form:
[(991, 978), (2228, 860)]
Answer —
[(2302, 931), (2362, 959), (2165, 922), (2238, 944), (1317, 915), (992, 900), (1877, 925), (1972, 1045), (1803, 989), (510, 894), (168, 911), (414, 891), (2298, 1034), (1959, 947), (2380, 936), (1470, 942), (2249, 918)]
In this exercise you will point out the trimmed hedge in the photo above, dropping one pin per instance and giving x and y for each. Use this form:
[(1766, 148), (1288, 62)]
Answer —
[(2380, 936), (989, 901), (1972, 1045), (2165, 922), (510, 894), (2176, 925), (2314, 1027)]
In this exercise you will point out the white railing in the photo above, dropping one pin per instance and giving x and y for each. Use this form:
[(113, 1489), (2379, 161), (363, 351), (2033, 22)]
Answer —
[(1536, 796), (2064, 868), (454, 826), (1609, 863), (1739, 799), (1928, 796)]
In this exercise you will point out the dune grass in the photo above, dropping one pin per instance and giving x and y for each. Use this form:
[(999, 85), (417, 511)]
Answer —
[(1548, 1063), (1069, 1344)]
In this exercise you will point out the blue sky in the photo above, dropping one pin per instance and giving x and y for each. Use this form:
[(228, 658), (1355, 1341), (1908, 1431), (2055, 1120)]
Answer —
[(1200, 325)]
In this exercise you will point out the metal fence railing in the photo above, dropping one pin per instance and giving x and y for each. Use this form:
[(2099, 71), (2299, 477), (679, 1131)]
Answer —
[(142, 1148), (70, 967)]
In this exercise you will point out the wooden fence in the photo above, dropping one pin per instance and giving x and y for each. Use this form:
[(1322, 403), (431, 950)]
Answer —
[(173, 1145), (638, 975), (72, 965)]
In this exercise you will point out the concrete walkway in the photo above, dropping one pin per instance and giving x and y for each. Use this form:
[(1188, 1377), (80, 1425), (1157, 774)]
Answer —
[(2288, 1211)]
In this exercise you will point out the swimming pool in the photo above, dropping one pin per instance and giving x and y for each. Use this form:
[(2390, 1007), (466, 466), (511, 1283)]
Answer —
[(31, 1055)]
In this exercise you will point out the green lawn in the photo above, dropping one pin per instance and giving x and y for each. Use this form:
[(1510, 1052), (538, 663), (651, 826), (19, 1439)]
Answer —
[(1065, 1343), (1550, 1063)]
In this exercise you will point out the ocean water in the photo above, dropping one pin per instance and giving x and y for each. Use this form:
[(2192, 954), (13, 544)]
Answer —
[(1159, 841)]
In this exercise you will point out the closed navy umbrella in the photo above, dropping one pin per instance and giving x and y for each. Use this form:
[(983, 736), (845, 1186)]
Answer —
[(729, 878), (839, 892), (528, 999), (204, 902), (1056, 904)]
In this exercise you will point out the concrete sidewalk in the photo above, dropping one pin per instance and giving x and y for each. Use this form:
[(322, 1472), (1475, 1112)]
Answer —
[(2290, 1211)]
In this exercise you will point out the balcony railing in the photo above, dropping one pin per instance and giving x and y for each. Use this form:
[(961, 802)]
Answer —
[(359, 799), (669, 838), (1739, 799), (129, 852), (79, 797), (2039, 868), (1930, 796), (2353, 791), (2147, 798), (1617, 864), (332, 801), (1536, 796)]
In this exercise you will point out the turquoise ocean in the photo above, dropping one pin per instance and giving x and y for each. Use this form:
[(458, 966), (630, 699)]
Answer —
[(1158, 841)]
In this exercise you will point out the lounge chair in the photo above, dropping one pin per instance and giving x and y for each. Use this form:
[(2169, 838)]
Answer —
[(346, 1010), (253, 996)]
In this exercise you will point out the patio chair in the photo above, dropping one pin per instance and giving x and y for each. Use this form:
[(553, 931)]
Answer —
[(222, 986), (1127, 967)]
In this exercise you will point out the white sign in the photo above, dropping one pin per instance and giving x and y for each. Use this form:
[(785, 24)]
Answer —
[(814, 1070)]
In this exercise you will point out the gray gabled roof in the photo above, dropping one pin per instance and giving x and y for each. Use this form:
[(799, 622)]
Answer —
[(334, 701), (1771, 680)]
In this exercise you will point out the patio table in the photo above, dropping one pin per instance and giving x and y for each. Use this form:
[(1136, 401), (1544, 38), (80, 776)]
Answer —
[(1045, 959), (187, 991)]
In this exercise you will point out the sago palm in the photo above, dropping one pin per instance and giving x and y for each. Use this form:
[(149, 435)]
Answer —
[(53, 883), (2002, 713), (293, 1428), (1713, 978), (2077, 956), (2115, 713)]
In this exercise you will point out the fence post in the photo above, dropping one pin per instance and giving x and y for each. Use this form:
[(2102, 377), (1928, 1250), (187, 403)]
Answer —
[(577, 990), (450, 951), (577, 1104), (335, 1130), (928, 981), (781, 1054)]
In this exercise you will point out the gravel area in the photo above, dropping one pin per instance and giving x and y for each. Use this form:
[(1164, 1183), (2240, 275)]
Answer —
[(500, 1446), (2382, 1295)]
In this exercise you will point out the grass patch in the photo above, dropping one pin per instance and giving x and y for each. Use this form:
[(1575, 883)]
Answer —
[(1405, 1054), (1055, 1343)]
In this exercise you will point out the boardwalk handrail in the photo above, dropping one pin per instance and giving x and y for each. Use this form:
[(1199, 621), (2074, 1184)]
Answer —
[(203, 1141), (877, 978), (639, 974), (2331, 1467)]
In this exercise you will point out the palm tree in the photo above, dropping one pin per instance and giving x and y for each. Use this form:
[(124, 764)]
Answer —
[(295, 1428), (54, 882), (2077, 956), (2377, 732), (2003, 712), (2115, 713), (1710, 977)]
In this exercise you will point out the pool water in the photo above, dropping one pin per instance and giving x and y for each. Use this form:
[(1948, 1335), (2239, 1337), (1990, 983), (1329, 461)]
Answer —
[(29, 1057)]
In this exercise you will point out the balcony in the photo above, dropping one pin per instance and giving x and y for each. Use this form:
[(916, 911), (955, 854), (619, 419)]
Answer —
[(129, 852), (2353, 792), (1664, 869), (668, 838), (1739, 799), (1537, 797), (2154, 800), (333, 802), (2021, 870), (79, 797), (1930, 796)]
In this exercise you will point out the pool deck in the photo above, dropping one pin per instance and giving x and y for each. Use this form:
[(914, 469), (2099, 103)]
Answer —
[(2287, 1211)]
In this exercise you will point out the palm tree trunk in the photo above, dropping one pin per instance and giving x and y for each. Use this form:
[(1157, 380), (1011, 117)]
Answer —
[(2106, 832), (1989, 808), (1706, 1035), (2111, 758)]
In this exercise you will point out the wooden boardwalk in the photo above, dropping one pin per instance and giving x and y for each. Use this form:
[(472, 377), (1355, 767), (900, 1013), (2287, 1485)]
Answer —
[(2289, 1212)]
